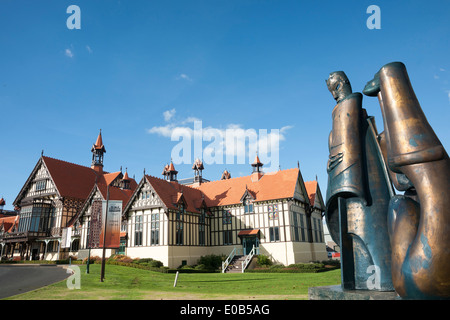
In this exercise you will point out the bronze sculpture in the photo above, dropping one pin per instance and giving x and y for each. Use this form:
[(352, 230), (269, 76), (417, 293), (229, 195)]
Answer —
[(419, 220), (358, 192)]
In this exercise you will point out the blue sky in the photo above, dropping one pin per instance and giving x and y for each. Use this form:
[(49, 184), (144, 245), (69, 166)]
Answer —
[(231, 64)]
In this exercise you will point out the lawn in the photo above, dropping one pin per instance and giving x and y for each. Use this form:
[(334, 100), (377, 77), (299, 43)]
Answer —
[(126, 283)]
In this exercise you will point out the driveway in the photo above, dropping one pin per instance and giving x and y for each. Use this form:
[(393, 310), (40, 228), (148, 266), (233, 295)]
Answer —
[(16, 279)]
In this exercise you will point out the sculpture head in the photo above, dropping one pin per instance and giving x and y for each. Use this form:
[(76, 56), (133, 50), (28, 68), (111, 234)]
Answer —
[(339, 85)]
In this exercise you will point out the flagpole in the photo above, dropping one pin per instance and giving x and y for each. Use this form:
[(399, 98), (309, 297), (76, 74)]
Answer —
[(102, 276)]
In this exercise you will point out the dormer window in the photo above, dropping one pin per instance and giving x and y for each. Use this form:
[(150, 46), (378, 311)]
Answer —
[(248, 205)]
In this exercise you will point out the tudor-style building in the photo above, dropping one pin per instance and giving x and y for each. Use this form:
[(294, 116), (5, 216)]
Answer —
[(50, 200), (173, 221), (277, 212)]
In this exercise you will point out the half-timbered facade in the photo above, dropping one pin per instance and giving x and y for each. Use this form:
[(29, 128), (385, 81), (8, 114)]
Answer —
[(177, 224), (164, 219), (88, 222), (50, 201)]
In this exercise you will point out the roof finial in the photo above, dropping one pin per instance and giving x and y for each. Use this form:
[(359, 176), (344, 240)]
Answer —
[(42, 152), (298, 164)]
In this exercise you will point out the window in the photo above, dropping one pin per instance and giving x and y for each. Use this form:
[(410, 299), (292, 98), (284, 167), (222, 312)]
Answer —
[(317, 230), (40, 185), (299, 229), (273, 212), (123, 245), (138, 231), (274, 233), (302, 228), (296, 228), (316, 238), (227, 237), (201, 228), (248, 206), (226, 219), (154, 235), (179, 226), (179, 233), (25, 219)]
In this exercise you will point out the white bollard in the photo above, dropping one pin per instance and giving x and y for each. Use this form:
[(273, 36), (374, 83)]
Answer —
[(176, 279)]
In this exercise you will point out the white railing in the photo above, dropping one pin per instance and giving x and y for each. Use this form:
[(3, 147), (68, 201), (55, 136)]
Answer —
[(228, 260), (255, 250)]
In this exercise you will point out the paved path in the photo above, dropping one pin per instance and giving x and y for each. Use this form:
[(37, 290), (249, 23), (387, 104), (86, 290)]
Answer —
[(16, 279)]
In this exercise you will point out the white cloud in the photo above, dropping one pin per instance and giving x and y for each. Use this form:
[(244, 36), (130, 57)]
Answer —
[(190, 120), (184, 76), (168, 114), (89, 49), (448, 94), (69, 53), (441, 69), (232, 143)]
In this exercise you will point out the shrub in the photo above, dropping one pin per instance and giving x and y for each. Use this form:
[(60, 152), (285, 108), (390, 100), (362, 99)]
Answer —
[(155, 264), (263, 260), (211, 261), (145, 260), (92, 259)]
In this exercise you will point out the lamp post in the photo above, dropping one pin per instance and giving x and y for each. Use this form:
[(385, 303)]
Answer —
[(102, 276)]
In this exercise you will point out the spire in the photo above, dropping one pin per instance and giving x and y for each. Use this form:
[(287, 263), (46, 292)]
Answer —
[(257, 172), (257, 164), (225, 175), (198, 168), (99, 143), (125, 180), (125, 176), (98, 149), (169, 172)]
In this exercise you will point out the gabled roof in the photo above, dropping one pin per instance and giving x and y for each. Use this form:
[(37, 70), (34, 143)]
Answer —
[(170, 193), (115, 193), (71, 180), (8, 223), (281, 184), (277, 185), (314, 194)]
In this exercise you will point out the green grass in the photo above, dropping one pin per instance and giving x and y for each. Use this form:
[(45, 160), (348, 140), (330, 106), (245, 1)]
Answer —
[(130, 283)]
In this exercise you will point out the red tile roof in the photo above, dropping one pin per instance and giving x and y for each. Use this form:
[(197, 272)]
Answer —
[(170, 193), (311, 189), (116, 193), (277, 185), (71, 180), (8, 222), (249, 232)]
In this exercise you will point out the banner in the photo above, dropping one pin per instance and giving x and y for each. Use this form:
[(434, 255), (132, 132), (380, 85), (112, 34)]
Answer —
[(66, 237), (113, 221)]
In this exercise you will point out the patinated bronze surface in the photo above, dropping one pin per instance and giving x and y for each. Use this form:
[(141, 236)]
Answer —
[(419, 220), (358, 192)]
